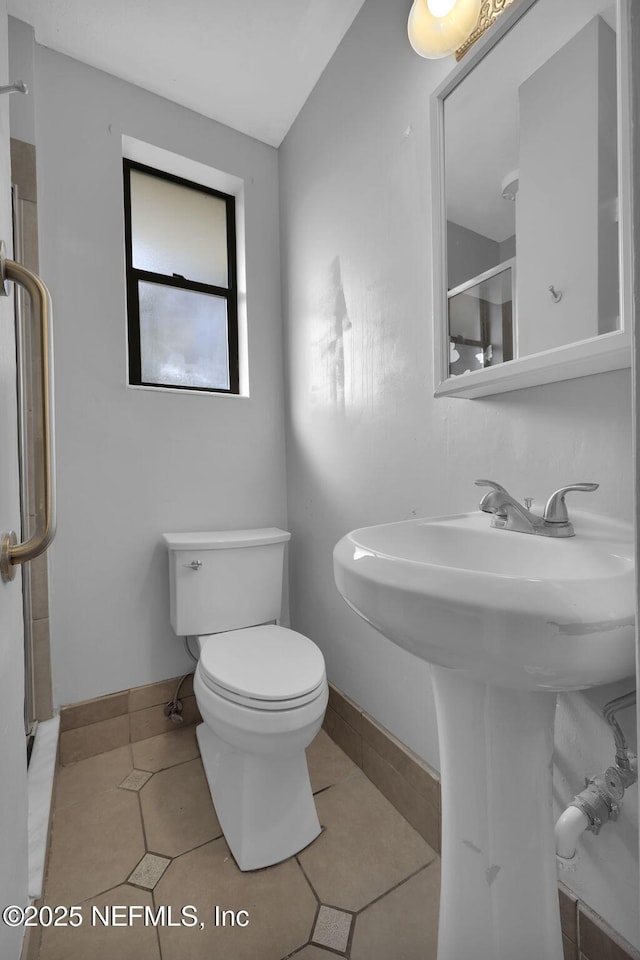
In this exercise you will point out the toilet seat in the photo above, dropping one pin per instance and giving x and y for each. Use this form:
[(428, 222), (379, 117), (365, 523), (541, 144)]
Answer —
[(267, 667)]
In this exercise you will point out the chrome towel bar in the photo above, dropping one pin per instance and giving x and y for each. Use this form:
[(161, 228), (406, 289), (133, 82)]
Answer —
[(12, 552)]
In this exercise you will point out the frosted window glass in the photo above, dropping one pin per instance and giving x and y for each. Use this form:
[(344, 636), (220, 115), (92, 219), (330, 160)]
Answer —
[(176, 229), (183, 337)]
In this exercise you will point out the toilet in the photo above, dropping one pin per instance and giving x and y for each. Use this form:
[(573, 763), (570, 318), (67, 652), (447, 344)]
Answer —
[(261, 688)]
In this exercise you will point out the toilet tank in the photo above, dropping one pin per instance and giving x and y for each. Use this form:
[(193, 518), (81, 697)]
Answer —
[(225, 580)]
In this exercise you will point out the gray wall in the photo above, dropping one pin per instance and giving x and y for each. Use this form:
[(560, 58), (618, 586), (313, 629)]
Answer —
[(366, 440), (132, 464)]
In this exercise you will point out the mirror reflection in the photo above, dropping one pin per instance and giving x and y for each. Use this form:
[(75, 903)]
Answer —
[(531, 185)]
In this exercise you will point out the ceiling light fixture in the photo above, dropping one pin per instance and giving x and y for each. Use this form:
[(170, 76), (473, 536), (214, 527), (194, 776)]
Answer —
[(437, 28), (511, 185), (440, 27)]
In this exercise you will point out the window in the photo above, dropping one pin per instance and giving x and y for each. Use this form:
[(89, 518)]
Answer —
[(181, 283)]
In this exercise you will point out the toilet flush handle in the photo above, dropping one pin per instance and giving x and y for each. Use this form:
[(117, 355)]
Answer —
[(194, 565)]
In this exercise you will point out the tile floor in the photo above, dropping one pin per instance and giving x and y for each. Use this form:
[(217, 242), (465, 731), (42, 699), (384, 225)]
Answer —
[(135, 828)]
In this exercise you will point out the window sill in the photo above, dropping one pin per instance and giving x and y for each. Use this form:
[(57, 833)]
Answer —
[(190, 393)]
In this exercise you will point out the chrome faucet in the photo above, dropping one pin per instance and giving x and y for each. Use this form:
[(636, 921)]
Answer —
[(508, 514)]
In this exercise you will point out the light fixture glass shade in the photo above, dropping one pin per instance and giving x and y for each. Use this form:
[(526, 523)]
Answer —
[(438, 27)]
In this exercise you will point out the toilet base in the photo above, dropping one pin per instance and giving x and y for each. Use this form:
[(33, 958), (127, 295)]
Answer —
[(264, 803)]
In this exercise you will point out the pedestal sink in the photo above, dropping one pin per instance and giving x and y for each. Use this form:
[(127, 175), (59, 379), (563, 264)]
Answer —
[(507, 620)]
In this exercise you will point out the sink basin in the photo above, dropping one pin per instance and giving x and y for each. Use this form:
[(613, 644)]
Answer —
[(507, 620), (521, 611)]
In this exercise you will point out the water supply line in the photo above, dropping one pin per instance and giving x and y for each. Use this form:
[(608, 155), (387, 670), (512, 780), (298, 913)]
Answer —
[(609, 713), (173, 709), (601, 800)]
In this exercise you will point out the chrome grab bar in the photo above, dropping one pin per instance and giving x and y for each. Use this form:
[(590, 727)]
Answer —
[(12, 552)]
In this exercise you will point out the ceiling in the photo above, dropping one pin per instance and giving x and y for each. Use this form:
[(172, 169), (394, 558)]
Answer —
[(248, 64)]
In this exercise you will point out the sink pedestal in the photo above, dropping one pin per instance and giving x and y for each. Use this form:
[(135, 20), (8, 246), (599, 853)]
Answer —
[(499, 895)]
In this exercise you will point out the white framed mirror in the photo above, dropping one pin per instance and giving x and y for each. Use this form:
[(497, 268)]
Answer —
[(531, 200)]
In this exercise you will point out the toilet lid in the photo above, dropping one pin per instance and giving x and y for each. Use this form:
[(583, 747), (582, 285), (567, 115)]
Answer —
[(270, 664)]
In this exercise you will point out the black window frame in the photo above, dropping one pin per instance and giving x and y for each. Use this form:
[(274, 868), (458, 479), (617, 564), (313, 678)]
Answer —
[(134, 276)]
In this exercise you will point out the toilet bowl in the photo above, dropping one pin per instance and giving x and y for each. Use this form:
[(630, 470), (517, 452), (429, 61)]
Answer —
[(253, 745), (261, 690)]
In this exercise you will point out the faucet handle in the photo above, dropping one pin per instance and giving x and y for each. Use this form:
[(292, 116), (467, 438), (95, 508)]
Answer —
[(491, 503), (490, 483), (556, 508)]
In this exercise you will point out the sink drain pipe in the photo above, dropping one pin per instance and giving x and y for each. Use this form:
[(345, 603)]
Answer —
[(601, 800)]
